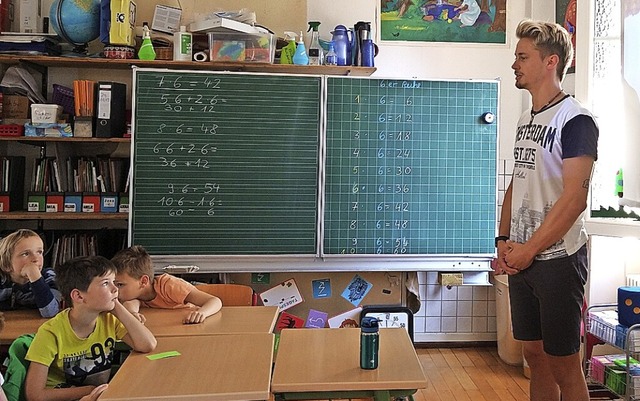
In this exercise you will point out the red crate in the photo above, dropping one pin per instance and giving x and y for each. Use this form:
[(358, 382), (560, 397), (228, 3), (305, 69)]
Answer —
[(11, 130)]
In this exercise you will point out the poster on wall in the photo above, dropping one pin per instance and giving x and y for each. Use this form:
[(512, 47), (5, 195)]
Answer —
[(462, 21), (566, 16)]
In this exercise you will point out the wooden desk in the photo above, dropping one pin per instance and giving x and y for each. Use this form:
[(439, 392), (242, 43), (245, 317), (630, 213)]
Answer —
[(216, 367), (230, 320), (19, 322), (325, 364)]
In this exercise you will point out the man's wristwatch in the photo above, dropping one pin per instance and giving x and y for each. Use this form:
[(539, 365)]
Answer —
[(500, 238)]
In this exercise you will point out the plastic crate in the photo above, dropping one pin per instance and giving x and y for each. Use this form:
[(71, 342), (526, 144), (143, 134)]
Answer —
[(616, 379), (11, 130), (598, 365), (64, 97)]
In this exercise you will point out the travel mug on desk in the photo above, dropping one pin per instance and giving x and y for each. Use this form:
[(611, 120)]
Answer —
[(369, 343)]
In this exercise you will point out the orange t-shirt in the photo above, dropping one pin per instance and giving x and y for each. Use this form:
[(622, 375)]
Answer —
[(171, 292)]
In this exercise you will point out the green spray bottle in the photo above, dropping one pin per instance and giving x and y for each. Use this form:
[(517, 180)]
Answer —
[(316, 53), (146, 51), (287, 52)]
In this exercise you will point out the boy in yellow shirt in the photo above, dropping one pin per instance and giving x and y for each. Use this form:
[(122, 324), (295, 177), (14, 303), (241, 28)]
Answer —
[(138, 286), (71, 354)]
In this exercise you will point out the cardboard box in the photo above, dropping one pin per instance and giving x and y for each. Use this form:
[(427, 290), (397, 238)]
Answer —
[(259, 48), (450, 279), (15, 106), (27, 16)]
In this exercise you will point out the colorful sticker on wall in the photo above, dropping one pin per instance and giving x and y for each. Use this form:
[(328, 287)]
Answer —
[(349, 318), (284, 295), (321, 288), (356, 290), (288, 321), (316, 319)]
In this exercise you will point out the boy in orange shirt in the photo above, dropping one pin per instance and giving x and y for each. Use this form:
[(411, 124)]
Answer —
[(138, 286)]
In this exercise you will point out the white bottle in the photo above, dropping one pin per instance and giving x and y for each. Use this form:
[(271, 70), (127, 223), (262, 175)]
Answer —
[(182, 45)]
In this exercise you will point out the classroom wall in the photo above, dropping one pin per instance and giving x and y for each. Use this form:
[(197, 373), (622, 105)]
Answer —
[(461, 313)]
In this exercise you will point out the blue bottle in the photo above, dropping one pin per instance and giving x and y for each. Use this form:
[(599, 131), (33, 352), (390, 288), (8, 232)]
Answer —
[(342, 42), (331, 58), (300, 57)]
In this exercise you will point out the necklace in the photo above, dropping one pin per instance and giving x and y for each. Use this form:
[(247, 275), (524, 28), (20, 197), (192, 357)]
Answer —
[(545, 107)]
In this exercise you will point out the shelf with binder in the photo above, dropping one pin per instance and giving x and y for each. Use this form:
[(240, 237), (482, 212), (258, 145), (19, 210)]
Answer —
[(67, 175)]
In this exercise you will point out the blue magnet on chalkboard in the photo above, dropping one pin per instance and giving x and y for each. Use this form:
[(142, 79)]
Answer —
[(488, 117)]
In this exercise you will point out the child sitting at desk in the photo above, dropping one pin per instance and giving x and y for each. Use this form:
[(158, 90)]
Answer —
[(23, 281), (138, 286), (72, 353)]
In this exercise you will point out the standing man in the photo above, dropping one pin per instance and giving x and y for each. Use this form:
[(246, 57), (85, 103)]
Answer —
[(542, 238)]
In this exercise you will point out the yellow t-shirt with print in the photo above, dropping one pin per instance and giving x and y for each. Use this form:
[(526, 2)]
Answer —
[(75, 361)]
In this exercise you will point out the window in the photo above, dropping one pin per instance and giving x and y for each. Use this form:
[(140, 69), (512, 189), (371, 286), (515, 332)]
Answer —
[(616, 89)]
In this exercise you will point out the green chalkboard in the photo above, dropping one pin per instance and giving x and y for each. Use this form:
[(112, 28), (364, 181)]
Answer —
[(410, 167), (225, 164)]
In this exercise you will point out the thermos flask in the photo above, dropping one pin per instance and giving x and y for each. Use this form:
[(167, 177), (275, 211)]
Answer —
[(369, 342)]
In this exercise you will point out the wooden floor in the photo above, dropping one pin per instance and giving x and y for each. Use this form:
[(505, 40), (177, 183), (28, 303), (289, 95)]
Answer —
[(470, 374)]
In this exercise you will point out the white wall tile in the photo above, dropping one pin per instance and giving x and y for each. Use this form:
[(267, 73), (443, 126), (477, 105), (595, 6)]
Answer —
[(491, 308), (432, 278), (479, 325), (465, 308), (480, 308), (433, 292), (491, 324), (449, 308), (434, 308), (433, 324), (465, 293), (480, 293), (449, 293), (449, 324), (463, 325), (419, 324)]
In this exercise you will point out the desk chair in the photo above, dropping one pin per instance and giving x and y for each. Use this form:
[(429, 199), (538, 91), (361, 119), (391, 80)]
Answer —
[(230, 294)]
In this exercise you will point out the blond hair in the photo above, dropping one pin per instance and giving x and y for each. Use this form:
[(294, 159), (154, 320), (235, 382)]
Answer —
[(134, 261), (549, 38), (8, 245)]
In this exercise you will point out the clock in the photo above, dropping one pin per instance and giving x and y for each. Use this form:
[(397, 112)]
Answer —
[(390, 316)]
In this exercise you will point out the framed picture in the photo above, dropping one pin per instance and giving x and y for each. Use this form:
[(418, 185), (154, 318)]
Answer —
[(566, 16), (462, 21)]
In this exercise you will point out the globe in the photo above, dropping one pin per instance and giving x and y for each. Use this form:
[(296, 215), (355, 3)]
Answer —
[(76, 21)]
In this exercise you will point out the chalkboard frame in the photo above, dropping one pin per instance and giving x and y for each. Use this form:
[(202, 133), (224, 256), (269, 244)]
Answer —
[(477, 118), (269, 175), (321, 260)]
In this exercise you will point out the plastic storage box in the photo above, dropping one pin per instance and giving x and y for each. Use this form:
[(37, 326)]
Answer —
[(242, 47), (45, 113)]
